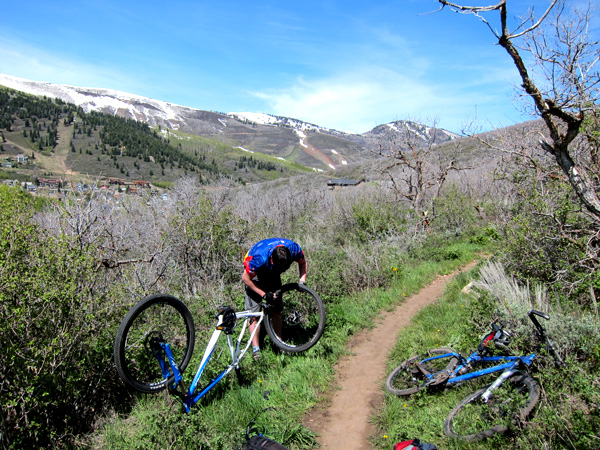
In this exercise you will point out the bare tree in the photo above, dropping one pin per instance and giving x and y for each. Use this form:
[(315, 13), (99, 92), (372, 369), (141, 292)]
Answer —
[(415, 170), (566, 95)]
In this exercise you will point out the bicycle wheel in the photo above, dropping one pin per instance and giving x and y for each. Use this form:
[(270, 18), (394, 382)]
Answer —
[(301, 322), (407, 379), (473, 420), (153, 320)]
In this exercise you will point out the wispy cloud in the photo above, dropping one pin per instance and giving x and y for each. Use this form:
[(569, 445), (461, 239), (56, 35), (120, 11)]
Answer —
[(368, 97)]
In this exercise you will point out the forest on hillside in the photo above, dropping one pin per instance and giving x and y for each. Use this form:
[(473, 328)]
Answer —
[(94, 144)]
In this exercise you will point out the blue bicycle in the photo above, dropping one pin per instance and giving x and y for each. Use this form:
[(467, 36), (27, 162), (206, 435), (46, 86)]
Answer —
[(496, 408), (155, 341)]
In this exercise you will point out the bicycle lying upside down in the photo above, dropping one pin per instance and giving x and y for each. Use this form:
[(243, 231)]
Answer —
[(155, 341), (510, 399)]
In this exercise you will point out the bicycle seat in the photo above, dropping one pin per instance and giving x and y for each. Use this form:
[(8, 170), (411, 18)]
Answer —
[(498, 335), (226, 314)]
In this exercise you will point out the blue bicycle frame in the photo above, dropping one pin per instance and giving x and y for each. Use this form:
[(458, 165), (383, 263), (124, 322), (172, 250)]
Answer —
[(236, 350), (511, 362)]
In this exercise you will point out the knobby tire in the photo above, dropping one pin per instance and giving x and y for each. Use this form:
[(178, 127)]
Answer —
[(154, 319), (473, 420), (301, 322)]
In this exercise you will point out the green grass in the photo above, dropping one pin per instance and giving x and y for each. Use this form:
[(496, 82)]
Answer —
[(566, 417), (292, 384)]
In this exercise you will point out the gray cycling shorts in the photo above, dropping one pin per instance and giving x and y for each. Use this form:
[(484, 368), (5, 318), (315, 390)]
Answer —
[(252, 299)]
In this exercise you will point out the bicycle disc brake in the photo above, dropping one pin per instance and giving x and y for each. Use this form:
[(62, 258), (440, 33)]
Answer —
[(293, 318)]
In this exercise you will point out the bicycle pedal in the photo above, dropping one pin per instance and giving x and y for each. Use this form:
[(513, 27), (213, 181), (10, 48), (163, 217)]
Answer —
[(176, 392)]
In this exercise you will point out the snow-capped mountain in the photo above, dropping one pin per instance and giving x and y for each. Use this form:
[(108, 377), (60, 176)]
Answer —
[(268, 119), (265, 133), (406, 129), (153, 112)]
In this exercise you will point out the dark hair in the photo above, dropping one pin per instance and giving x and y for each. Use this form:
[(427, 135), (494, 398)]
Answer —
[(282, 258)]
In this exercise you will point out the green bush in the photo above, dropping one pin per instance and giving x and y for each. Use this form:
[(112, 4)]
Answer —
[(56, 342), (567, 415), (376, 220), (454, 212)]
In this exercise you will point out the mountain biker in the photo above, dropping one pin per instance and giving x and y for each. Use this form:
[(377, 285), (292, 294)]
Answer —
[(263, 265)]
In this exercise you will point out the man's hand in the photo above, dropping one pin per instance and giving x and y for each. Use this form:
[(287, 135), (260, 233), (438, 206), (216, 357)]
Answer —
[(269, 297)]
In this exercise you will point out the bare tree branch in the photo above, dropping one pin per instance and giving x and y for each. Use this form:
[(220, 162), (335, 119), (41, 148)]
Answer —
[(563, 107)]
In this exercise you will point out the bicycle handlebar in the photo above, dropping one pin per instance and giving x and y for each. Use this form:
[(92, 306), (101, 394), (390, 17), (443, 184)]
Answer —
[(542, 333), (532, 313), (538, 313)]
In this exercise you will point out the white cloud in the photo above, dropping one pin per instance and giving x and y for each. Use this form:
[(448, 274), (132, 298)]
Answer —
[(357, 102), (360, 100)]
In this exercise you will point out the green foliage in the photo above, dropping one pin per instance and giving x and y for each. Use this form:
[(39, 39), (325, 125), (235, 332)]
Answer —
[(566, 416), (486, 236), (501, 297), (547, 238), (443, 247), (376, 220), (207, 243), (454, 212), (55, 338)]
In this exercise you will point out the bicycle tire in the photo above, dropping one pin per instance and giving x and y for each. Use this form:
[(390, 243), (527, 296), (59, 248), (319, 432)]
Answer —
[(407, 379), (154, 319), (511, 403), (302, 319)]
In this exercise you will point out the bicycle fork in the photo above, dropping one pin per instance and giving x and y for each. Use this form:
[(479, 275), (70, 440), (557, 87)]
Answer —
[(509, 372), (163, 366), (496, 384)]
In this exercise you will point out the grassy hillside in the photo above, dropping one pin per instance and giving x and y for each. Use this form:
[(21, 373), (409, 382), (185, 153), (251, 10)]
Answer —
[(62, 140)]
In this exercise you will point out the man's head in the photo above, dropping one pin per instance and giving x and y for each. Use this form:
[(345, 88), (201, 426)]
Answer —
[(281, 258)]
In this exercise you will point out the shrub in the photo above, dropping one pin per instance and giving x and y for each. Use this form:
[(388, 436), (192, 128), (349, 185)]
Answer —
[(454, 211), (56, 345)]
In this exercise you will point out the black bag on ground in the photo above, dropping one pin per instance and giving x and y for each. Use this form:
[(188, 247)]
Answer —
[(258, 441), (262, 443)]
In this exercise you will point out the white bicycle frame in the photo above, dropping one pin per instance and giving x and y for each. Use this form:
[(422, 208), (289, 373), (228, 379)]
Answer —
[(236, 351)]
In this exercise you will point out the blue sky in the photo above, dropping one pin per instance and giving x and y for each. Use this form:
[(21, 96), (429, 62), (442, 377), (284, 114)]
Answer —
[(349, 65)]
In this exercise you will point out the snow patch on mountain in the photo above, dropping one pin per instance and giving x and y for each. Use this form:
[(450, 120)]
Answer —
[(424, 132), (105, 100), (302, 137), (268, 119)]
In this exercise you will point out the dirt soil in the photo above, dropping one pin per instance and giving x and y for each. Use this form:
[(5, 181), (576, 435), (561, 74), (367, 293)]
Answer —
[(357, 392)]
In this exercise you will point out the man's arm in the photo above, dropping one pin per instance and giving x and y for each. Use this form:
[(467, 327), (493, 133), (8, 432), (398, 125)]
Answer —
[(251, 284), (302, 269)]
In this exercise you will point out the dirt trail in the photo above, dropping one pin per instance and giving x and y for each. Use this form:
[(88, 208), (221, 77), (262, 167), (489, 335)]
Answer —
[(357, 394)]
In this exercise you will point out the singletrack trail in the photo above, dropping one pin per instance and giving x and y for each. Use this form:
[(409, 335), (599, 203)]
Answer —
[(357, 391)]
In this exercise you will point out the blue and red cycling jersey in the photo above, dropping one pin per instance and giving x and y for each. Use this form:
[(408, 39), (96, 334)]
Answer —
[(258, 258)]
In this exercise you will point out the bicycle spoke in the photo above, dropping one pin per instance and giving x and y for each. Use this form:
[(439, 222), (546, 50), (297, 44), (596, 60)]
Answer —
[(509, 405), (138, 351), (410, 377)]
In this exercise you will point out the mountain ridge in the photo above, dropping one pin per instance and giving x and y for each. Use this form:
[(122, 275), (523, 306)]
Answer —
[(308, 144)]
